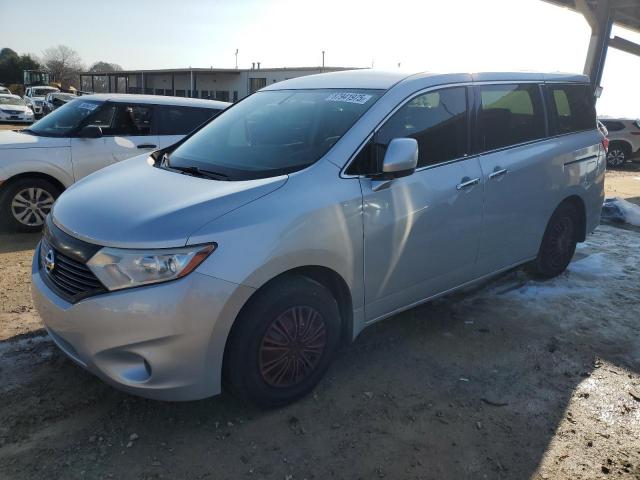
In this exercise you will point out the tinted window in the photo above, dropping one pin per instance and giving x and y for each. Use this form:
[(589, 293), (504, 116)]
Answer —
[(612, 125), (509, 115), (437, 120), (572, 108), (131, 120), (182, 120)]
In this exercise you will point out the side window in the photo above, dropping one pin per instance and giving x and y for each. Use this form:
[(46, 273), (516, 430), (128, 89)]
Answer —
[(571, 107), (509, 115), (132, 120), (104, 118), (182, 120), (437, 120)]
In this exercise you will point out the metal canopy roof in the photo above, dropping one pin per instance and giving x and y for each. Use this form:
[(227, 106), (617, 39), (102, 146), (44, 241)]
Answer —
[(625, 13)]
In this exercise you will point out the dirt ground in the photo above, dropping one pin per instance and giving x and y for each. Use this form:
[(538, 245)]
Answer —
[(514, 379)]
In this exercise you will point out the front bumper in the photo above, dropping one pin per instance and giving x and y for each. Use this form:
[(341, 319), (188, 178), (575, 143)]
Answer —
[(15, 118), (163, 341)]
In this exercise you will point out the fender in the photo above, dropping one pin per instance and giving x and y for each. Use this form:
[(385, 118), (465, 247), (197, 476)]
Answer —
[(54, 162)]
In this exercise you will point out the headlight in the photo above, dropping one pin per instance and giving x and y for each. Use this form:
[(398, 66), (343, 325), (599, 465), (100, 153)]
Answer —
[(119, 268)]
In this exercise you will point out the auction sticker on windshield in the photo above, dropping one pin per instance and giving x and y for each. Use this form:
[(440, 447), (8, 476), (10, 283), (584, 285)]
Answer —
[(359, 98), (88, 106)]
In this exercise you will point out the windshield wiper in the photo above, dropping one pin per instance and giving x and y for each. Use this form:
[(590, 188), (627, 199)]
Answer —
[(200, 172)]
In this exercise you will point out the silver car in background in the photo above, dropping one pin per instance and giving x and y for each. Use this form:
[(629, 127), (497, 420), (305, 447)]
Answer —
[(248, 252)]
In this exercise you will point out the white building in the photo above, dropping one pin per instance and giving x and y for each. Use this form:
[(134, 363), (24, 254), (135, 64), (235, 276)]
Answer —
[(227, 84)]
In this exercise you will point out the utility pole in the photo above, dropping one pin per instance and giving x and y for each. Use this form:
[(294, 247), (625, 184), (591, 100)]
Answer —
[(322, 58), (236, 58)]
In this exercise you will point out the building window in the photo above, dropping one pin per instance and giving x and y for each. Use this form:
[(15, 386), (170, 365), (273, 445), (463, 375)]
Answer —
[(204, 93), (235, 95), (159, 91), (222, 95), (256, 84), (180, 93)]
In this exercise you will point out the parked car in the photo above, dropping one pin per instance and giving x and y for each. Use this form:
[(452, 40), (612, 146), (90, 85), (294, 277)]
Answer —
[(13, 109), (4, 90), (247, 253), (624, 140), (34, 98), (55, 100), (85, 135)]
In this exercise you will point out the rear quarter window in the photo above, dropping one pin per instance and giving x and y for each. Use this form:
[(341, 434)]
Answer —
[(175, 120), (571, 108)]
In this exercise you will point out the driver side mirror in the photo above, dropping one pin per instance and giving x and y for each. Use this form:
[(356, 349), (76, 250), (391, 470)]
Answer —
[(401, 158), (90, 131)]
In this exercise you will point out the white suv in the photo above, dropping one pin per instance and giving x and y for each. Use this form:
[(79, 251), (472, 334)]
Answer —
[(85, 135), (624, 140), (34, 98)]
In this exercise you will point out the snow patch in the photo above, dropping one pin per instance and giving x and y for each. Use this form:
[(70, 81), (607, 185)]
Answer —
[(621, 211)]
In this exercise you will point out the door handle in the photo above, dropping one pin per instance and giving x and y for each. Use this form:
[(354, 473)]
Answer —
[(147, 145), (498, 173), (467, 183)]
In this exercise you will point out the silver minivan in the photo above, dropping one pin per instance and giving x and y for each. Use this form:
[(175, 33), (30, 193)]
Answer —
[(247, 253)]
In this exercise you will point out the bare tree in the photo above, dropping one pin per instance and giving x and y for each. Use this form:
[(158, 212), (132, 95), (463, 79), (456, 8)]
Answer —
[(64, 64)]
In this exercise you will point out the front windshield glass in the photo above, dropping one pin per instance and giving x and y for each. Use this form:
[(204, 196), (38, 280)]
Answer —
[(41, 92), (274, 132), (11, 101), (62, 121)]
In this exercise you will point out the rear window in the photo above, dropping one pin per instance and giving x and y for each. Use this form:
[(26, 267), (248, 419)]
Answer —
[(182, 120), (509, 115), (571, 108)]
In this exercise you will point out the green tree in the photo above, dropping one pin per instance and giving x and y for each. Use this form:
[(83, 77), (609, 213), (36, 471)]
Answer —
[(12, 65)]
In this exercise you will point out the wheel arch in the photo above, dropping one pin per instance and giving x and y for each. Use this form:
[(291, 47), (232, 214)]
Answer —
[(329, 279), (39, 175), (624, 143)]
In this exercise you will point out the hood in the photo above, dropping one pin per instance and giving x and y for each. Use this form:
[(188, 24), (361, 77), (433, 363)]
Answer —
[(11, 139), (136, 205), (15, 108)]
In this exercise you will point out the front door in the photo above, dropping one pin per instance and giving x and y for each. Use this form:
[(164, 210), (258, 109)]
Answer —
[(422, 232)]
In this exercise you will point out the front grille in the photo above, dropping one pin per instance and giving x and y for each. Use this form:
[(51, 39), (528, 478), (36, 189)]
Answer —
[(13, 112), (71, 279)]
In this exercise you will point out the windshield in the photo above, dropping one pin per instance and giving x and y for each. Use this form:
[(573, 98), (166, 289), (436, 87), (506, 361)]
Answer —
[(62, 96), (274, 132), (11, 101), (41, 92), (61, 122)]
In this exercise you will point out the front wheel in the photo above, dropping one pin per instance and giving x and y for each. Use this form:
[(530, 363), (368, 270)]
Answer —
[(559, 242), (25, 203), (283, 342)]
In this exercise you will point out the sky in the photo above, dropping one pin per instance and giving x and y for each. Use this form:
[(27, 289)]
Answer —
[(420, 35)]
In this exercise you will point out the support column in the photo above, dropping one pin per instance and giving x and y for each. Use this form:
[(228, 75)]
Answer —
[(93, 88), (109, 77), (600, 20), (173, 84)]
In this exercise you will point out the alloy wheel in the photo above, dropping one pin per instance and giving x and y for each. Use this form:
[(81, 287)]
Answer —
[(30, 206), (292, 346), (616, 157)]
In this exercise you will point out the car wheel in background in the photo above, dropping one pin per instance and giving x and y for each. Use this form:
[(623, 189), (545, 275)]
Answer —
[(617, 155), (25, 203), (558, 244), (283, 342)]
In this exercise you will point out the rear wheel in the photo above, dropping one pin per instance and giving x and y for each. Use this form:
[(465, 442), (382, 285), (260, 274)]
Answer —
[(559, 242), (283, 342), (617, 155), (25, 203)]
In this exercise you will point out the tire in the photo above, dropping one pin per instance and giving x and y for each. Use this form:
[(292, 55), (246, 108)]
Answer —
[(558, 243), (18, 198), (618, 154), (266, 362)]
